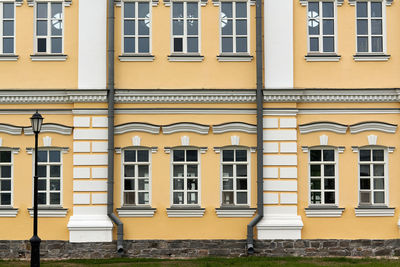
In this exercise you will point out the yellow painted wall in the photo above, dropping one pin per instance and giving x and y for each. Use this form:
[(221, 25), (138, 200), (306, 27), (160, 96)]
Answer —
[(346, 73)]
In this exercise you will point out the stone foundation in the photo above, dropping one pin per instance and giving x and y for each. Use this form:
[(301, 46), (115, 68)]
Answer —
[(204, 248)]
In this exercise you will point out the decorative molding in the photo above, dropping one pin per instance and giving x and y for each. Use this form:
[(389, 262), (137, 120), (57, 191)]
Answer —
[(8, 212), (137, 58), (340, 149), (136, 212), (338, 2), (185, 127), (374, 212), (235, 140), (137, 127), (185, 140), (18, 2), (10, 57), (390, 149), (10, 129), (234, 58), (218, 149), (51, 128), (153, 149), (185, 58), (235, 212), (322, 58), (185, 212), (388, 2), (47, 141), (30, 150), (202, 3), (136, 141), (203, 150), (323, 140), (373, 126), (216, 2), (234, 127), (118, 3), (49, 212), (372, 139), (49, 57), (323, 126), (31, 3), (371, 57), (324, 212)]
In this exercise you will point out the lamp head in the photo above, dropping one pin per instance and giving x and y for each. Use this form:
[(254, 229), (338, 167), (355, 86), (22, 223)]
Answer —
[(36, 122)]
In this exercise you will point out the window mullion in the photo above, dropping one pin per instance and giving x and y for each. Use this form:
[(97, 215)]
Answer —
[(185, 27), (1, 28), (234, 26), (321, 30), (369, 14), (136, 21)]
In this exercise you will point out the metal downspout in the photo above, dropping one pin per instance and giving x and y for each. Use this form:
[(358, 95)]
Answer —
[(259, 99), (110, 87)]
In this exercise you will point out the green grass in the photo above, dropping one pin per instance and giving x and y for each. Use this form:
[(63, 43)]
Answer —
[(218, 262)]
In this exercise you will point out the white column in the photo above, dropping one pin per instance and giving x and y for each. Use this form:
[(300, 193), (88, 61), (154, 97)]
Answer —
[(92, 44), (278, 42)]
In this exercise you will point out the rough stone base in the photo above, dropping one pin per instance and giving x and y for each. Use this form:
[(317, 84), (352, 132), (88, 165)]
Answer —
[(203, 248)]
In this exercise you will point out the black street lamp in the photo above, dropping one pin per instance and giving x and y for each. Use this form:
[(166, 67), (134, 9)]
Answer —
[(36, 121)]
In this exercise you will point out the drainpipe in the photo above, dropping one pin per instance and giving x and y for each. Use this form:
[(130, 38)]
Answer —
[(259, 99), (110, 87)]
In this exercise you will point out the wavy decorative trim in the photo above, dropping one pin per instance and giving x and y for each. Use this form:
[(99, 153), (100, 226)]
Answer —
[(185, 127), (51, 128), (10, 129), (373, 126), (137, 127), (323, 126), (234, 127)]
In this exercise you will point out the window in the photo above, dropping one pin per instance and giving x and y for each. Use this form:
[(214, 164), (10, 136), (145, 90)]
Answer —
[(372, 171), (370, 37), (49, 28), (234, 27), (7, 28), (5, 178), (136, 177), (185, 27), (323, 181), (235, 177), (136, 27), (185, 177), (49, 177), (321, 27)]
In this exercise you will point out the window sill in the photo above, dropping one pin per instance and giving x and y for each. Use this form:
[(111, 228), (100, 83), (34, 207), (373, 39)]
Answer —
[(235, 212), (371, 57), (234, 58), (135, 57), (8, 212), (321, 211), (185, 58), (374, 211), (322, 57), (136, 211), (8, 57), (48, 57), (49, 212), (182, 212)]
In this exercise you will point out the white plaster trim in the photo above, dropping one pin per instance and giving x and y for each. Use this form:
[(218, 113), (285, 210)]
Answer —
[(30, 150), (181, 213), (90, 228), (136, 127), (185, 127), (235, 213), (323, 140), (136, 58), (176, 58), (340, 149), (363, 58), (9, 57), (10, 129), (234, 58), (51, 128), (372, 139), (338, 2), (66, 3), (118, 3), (376, 212), (280, 227), (234, 127), (324, 212), (388, 2), (323, 126), (372, 126), (126, 212), (8, 212), (322, 58), (49, 57), (49, 213)]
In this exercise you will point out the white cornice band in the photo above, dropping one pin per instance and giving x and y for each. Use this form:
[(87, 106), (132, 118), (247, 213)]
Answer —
[(323, 126), (373, 126), (234, 127), (51, 128), (137, 127), (186, 127)]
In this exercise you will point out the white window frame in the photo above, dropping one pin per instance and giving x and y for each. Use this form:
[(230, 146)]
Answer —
[(320, 36), (136, 164), (234, 177), (136, 35), (1, 27), (185, 163), (369, 35), (234, 36), (49, 35), (386, 175), (336, 176), (185, 35), (11, 179)]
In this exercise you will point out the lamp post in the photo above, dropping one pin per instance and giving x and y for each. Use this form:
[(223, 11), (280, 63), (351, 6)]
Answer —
[(36, 121)]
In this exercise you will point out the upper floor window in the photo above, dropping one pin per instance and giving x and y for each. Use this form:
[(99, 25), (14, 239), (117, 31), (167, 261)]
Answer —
[(234, 27), (7, 28), (136, 177), (49, 27), (321, 27), (185, 27), (136, 27), (370, 27), (6, 178), (49, 177)]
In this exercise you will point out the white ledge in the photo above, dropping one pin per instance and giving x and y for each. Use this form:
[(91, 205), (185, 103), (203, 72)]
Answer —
[(186, 127), (136, 212), (234, 58), (374, 212), (322, 58), (185, 212), (10, 129), (234, 127), (8, 212), (66, 3), (137, 127), (323, 126), (324, 212), (51, 128), (49, 57), (373, 126), (235, 213), (49, 212), (185, 58), (136, 58), (388, 2), (338, 2), (5, 57), (372, 57)]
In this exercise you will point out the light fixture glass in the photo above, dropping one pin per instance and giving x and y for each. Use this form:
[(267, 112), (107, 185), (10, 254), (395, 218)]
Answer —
[(36, 122)]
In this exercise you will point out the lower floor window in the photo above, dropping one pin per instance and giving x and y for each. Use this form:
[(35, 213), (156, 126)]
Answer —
[(49, 173), (5, 178)]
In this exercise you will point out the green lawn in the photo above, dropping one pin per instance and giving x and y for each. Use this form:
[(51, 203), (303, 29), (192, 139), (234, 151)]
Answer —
[(203, 262)]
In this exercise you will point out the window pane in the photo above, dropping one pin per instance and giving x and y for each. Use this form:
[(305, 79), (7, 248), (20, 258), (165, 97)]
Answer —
[(8, 10), (55, 171), (365, 155), (5, 156), (41, 29), (144, 45), (313, 9), (192, 184), (226, 9), (5, 171), (192, 11), (314, 44), (178, 184), (42, 10), (329, 170), (143, 184), (129, 27), (329, 44), (54, 198), (178, 197), (227, 171), (315, 170), (329, 155), (227, 198), (376, 26), (129, 10), (241, 198), (315, 184), (5, 199), (241, 170), (241, 155), (329, 184), (377, 155), (129, 171), (362, 26), (362, 44), (313, 27), (54, 184), (227, 28), (177, 27), (178, 45), (42, 184), (8, 28), (241, 10), (376, 9), (191, 155), (379, 170), (143, 28), (377, 44), (327, 9), (241, 184), (56, 27), (144, 10), (177, 10), (316, 197), (129, 198), (192, 171), (379, 197), (56, 10), (54, 156), (129, 184), (364, 170), (227, 184), (328, 26), (143, 198), (5, 185), (143, 155), (143, 171), (227, 155), (365, 184), (192, 27), (178, 170), (192, 45), (227, 44), (362, 9), (241, 44), (8, 45), (41, 171), (379, 183), (192, 198), (129, 45), (130, 156), (241, 27), (315, 155), (329, 197), (179, 155), (42, 198)]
